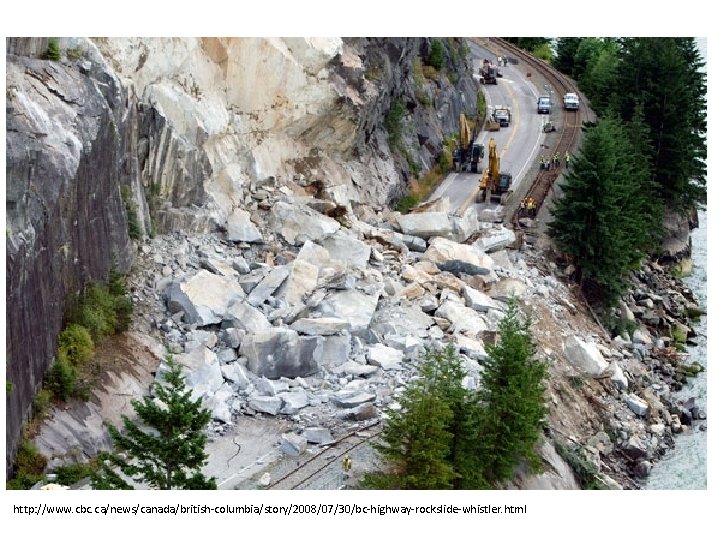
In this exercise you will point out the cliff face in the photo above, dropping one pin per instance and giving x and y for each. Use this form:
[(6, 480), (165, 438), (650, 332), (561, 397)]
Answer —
[(66, 223), (187, 124)]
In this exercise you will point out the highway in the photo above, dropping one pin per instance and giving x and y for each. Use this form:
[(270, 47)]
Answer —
[(517, 144)]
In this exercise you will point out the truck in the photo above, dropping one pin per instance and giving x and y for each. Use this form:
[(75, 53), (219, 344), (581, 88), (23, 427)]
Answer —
[(502, 115), (494, 184), (488, 72), (543, 105), (468, 153), (571, 101)]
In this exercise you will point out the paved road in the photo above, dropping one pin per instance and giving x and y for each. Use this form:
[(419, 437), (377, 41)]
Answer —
[(518, 144)]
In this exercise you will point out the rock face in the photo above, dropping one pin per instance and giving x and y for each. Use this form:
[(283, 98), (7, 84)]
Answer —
[(68, 133)]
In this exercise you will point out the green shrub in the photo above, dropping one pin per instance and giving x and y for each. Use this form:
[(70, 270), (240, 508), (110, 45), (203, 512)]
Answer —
[(41, 403), (407, 203), (97, 311), (67, 475), (585, 472), (8, 387), (29, 467), (436, 58), (134, 229), (394, 123), (75, 345), (53, 50), (61, 380)]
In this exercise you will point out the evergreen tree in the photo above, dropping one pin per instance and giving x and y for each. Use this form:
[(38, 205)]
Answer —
[(664, 75), (599, 80), (566, 50), (601, 219), (417, 445), (513, 399), (168, 451)]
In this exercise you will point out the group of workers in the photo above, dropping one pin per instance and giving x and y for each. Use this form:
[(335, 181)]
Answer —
[(553, 162), (528, 207)]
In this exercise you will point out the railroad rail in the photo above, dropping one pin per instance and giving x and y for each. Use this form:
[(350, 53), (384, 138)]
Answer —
[(570, 130), (313, 466)]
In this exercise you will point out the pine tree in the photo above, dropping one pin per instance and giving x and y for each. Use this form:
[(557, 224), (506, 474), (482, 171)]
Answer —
[(417, 445), (565, 56), (513, 403), (168, 451), (600, 220), (665, 76)]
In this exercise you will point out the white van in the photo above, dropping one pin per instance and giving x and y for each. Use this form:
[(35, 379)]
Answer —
[(543, 105)]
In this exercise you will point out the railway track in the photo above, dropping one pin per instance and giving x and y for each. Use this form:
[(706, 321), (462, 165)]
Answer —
[(569, 132), (310, 469)]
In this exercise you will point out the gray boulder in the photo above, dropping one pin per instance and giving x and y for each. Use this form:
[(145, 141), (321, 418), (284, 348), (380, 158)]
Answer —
[(243, 316), (268, 285), (293, 401), (366, 411), (585, 356), (636, 404), (348, 399), (335, 350), (495, 239), (298, 223), (236, 374), (477, 300), (464, 319), (385, 357), (292, 444), (202, 372), (354, 306), (241, 229), (346, 251), (401, 320), (266, 404), (203, 298), (457, 258), (280, 352), (318, 435), (301, 281), (426, 224)]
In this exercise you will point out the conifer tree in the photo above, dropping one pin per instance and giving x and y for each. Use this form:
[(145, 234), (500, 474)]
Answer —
[(600, 220), (665, 76), (417, 444), (168, 450), (512, 396)]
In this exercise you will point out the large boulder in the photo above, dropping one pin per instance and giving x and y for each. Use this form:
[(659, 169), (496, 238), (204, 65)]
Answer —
[(202, 372), (466, 225), (464, 319), (280, 352), (585, 356), (426, 224), (336, 350), (246, 317), (385, 357), (268, 285), (266, 404), (506, 289), (636, 404), (401, 320), (241, 229), (298, 223), (457, 258), (354, 306), (203, 298), (495, 239), (346, 251), (478, 301), (301, 280)]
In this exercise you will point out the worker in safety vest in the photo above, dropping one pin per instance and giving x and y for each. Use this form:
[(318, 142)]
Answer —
[(531, 207), (567, 159), (542, 162), (346, 464), (523, 207)]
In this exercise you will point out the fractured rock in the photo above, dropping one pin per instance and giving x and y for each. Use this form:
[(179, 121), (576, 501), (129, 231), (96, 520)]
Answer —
[(301, 280), (280, 352), (204, 297), (457, 258), (585, 356), (293, 444), (354, 306), (268, 285), (243, 316), (426, 224), (241, 229), (321, 326), (385, 357), (464, 319), (318, 435), (297, 223)]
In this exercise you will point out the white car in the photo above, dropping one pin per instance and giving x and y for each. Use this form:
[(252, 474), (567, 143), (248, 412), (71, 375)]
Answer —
[(571, 101)]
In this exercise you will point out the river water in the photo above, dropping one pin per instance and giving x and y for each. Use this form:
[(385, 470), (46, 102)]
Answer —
[(685, 467)]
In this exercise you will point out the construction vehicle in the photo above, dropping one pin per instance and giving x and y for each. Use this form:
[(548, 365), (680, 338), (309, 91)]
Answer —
[(467, 154), (494, 185), (488, 72), (502, 115)]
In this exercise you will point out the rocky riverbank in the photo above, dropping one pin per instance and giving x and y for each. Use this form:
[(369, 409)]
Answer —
[(314, 311)]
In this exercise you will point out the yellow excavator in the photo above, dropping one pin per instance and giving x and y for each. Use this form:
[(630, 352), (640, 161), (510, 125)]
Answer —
[(494, 185), (467, 154)]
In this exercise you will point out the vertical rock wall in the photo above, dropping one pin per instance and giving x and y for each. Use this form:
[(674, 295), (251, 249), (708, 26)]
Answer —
[(66, 222)]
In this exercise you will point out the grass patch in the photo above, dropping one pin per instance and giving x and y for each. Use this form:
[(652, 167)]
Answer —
[(394, 123)]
